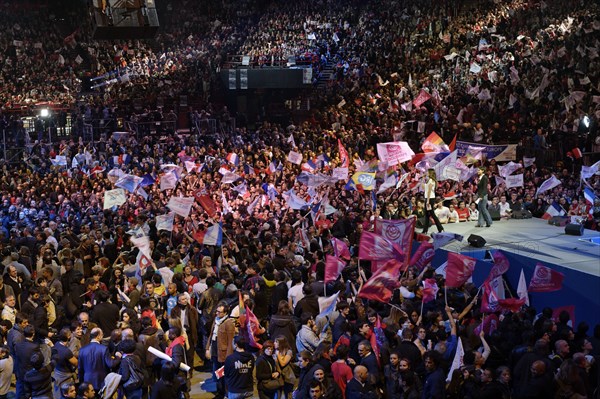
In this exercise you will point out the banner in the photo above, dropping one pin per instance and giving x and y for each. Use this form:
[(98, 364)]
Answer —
[(165, 222), (168, 181), (459, 270), (545, 279), (206, 202), (181, 205), (505, 152), (399, 232), (423, 255), (340, 173), (375, 247), (344, 157), (295, 157), (116, 197), (501, 265), (333, 268), (394, 152), (548, 184), (514, 181)]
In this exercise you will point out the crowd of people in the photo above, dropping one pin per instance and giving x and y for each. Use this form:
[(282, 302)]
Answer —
[(82, 296)]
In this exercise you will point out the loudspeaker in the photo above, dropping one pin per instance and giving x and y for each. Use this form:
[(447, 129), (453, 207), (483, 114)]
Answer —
[(476, 241), (558, 221), (573, 229)]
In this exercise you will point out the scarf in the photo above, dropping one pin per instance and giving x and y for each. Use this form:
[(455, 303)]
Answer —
[(177, 341)]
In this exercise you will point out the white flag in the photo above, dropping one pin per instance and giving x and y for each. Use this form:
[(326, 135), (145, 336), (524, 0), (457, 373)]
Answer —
[(549, 184), (295, 157), (181, 205), (514, 181), (168, 181), (114, 197), (165, 222), (143, 244), (527, 162), (522, 288), (226, 208), (457, 363)]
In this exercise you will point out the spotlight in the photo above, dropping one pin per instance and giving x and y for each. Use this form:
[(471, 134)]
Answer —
[(586, 121), (44, 112)]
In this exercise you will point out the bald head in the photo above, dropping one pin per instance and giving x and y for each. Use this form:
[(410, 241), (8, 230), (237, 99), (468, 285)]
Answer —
[(361, 373), (538, 368), (127, 333)]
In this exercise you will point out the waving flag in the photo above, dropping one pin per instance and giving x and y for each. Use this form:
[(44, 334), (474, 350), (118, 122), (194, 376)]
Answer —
[(522, 288), (165, 222), (364, 179), (344, 158), (142, 262), (509, 168), (400, 232), (143, 244), (181, 205), (501, 265), (375, 247), (395, 152), (294, 157), (549, 184), (434, 143), (459, 270), (430, 290), (382, 283), (421, 98), (293, 201), (333, 268), (211, 236), (545, 279), (423, 255), (527, 162), (389, 182), (147, 180), (457, 362), (340, 249), (327, 305), (168, 181), (116, 197), (233, 158), (226, 208), (589, 196), (206, 202), (489, 299), (511, 304), (553, 210), (129, 182), (588, 171)]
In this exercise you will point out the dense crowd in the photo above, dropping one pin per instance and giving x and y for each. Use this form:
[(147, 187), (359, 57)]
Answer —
[(89, 285)]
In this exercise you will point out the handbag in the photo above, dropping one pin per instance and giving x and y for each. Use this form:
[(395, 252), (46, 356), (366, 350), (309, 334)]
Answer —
[(273, 384), (136, 377), (289, 376)]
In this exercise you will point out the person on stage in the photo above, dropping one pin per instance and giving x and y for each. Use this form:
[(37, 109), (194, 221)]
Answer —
[(430, 186), (482, 194)]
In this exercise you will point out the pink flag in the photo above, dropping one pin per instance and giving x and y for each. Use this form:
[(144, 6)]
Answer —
[(423, 255), (382, 283), (340, 249), (488, 325), (333, 268), (460, 269), (400, 232), (421, 98), (375, 247), (500, 267), (344, 157), (489, 300), (511, 304), (430, 290), (545, 279)]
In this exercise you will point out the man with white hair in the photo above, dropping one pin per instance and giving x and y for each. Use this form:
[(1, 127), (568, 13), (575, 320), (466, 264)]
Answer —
[(50, 239)]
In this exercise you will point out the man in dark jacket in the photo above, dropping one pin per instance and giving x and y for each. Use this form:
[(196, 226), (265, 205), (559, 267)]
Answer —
[(369, 361), (309, 304), (105, 314), (409, 350), (359, 387), (95, 361), (15, 334), (239, 367), (435, 381), (23, 352)]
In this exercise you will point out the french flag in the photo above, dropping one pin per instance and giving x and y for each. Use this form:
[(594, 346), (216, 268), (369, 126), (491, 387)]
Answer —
[(553, 210), (122, 159), (211, 236), (233, 158), (589, 196)]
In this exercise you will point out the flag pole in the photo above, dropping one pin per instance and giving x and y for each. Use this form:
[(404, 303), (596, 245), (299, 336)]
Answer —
[(446, 294)]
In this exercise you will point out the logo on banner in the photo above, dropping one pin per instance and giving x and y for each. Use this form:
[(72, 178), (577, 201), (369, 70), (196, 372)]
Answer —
[(543, 275), (393, 232), (365, 180)]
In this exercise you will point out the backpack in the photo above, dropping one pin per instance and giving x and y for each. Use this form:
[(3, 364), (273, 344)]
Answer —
[(136, 376)]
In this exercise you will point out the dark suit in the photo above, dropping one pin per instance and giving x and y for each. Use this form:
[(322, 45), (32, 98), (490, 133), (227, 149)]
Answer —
[(14, 336), (106, 316), (356, 390), (370, 362), (40, 322), (95, 363), (23, 352)]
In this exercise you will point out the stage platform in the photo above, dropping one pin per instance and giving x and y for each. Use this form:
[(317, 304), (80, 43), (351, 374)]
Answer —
[(533, 238)]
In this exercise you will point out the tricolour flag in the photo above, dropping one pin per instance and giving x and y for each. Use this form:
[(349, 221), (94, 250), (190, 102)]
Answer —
[(522, 288), (213, 235), (545, 279), (333, 268), (129, 182), (553, 210), (457, 362), (589, 196), (165, 222), (383, 282), (141, 263), (233, 158), (460, 269)]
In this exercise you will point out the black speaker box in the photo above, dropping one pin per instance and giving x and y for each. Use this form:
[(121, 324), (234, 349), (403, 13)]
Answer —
[(573, 229), (476, 241)]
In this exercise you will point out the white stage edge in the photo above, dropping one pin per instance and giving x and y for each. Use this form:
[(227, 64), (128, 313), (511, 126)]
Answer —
[(533, 238)]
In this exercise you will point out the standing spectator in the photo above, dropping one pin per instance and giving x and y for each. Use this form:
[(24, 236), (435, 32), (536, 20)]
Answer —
[(130, 364), (342, 373), (95, 360), (359, 386), (168, 385), (435, 381), (9, 312), (239, 367), (369, 360), (23, 355), (482, 194), (65, 363), (266, 369), (105, 314), (308, 339), (220, 342), (430, 201), (6, 372), (282, 324), (38, 380)]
